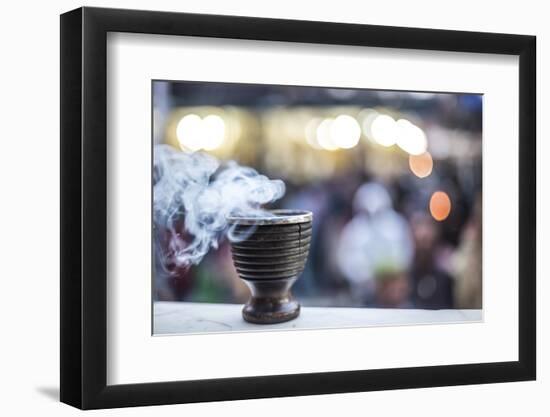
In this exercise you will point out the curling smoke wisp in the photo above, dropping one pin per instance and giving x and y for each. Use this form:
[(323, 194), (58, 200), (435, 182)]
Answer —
[(192, 197)]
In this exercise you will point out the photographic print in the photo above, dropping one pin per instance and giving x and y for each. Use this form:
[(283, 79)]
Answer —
[(290, 207)]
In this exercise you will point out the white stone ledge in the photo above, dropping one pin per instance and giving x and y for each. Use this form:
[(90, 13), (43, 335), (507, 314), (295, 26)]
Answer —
[(187, 318)]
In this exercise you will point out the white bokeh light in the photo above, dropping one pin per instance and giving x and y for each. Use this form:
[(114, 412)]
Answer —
[(189, 132), (213, 132), (194, 133), (410, 137), (345, 132), (383, 130), (367, 116), (311, 132), (324, 138)]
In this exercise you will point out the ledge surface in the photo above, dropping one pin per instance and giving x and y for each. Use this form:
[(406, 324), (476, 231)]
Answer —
[(185, 318)]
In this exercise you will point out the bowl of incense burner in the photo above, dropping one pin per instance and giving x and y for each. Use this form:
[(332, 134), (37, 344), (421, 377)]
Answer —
[(269, 253)]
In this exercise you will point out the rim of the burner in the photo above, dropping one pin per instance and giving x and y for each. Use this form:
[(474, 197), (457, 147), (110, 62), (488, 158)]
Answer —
[(279, 216)]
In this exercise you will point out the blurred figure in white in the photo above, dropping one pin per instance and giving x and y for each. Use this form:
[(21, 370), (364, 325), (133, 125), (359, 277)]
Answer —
[(376, 248)]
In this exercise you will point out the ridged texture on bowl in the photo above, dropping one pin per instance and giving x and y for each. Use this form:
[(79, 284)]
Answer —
[(271, 252)]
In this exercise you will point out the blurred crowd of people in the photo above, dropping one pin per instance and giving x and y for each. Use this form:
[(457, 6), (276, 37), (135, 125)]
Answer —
[(366, 251)]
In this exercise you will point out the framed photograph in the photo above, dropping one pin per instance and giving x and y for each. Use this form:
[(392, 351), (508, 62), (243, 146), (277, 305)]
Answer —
[(257, 208)]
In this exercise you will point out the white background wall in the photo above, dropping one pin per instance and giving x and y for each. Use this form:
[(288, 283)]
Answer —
[(29, 207)]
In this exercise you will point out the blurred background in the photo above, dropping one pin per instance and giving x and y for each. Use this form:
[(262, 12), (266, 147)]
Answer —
[(393, 179)]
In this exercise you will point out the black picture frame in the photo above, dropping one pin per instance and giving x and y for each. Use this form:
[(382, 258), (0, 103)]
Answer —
[(84, 207)]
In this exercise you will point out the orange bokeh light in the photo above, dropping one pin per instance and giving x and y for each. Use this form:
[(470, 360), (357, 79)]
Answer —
[(421, 165), (440, 205)]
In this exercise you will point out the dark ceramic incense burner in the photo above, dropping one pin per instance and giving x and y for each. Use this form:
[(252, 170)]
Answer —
[(269, 254)]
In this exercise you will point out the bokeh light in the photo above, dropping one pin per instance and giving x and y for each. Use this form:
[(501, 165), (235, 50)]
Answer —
[(383, 130), (213, 132), (194, 133), (366, 117), (421, 165), (410, 137), (345, 132), (311, 132), (189, 132), (440, 205), (324, 137)]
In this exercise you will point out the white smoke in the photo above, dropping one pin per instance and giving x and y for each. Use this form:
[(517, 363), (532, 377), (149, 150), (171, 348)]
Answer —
[(193, 196)]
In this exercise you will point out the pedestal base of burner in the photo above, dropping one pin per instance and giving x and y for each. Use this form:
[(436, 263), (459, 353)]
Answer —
[(271, 302)]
